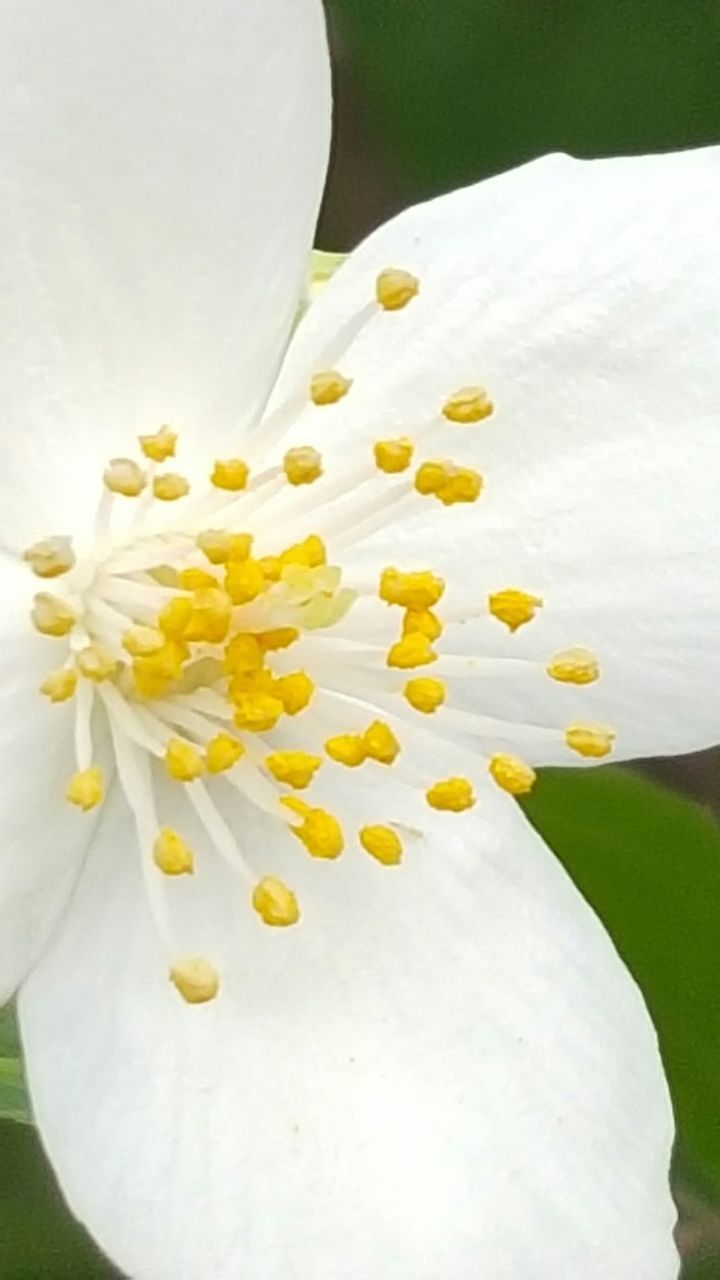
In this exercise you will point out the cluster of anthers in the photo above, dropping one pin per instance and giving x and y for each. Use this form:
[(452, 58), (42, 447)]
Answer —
[(185, 638)]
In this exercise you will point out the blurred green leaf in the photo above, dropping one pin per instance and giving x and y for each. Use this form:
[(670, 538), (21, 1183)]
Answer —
[(649, 863), (14, 1103)]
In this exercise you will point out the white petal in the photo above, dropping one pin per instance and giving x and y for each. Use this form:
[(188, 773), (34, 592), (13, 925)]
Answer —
[(584, 297), (42, 840), (442, 1071), (162, 168)]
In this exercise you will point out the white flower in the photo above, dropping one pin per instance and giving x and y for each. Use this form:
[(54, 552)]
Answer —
[(441, 1069)]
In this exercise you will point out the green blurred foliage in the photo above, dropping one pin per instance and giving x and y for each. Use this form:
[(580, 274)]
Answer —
[(458, 89)]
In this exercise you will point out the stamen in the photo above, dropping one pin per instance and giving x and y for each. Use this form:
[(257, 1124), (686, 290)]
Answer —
[(124, 476), (470, 404), (347, 748), (85, 788), (452, 795), (574, 666), (393, 456), (512, 775), (303, 465), (424, 622), (414, 650), (383, 844), (171, 854), (592, 740), (170, 486), (381, 743), (51, 616), (294, 768), (182, 761), (96, 662), (328, 387), (142, 642), (395, 288), (232, 475), (257, 712), (319, 831), (418, 591), (223, 752), (51, 557), (275, 903), (514, 607), (60, 685), (425, 694), (448, 482), (196, 979), (160, 446)]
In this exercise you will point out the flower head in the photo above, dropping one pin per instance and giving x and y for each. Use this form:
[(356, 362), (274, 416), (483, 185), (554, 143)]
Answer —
[(279, 653)]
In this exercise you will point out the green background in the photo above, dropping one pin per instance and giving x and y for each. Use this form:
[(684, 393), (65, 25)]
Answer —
[(432, 94)]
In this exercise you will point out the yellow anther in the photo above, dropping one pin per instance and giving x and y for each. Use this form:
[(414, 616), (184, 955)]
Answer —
[(196, 979), (294, 768), (302, 465), (240, 546), (514, 607), (257, 712), (160, 446), (329, 387), (423, 622), (124, 476), (222, 753), (296, 805), (244, 581), (171, 854), (430, 477), (182, 760), (395, 288), (153, 676), (347, 748), (174, 617), (425, 694), (319, 831), (219, 546), (271, 567), (417, 591), (143, 642), (295, 691), (231, 474), (242, 655), (393, 456), (210, 618), (60, 685), (96, 662), (382, 843), (470, 404), (592, 740), (280, 638), (51, 616), (381, 743), (512, 775), (275, 903), (574, 666), (448, 482), (170, 486), (194, 579), (85, 789), (452, 794), (311, 553), (260, 681), (414, 650), (51, 557)]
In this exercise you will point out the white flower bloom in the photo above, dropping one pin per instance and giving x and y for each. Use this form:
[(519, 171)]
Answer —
[(471, 534)]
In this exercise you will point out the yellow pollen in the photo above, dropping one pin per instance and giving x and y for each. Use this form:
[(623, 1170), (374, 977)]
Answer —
[(222, 753), (393, 456), (430, 477), (414, 650), (271, 567), (242, 655), (452, 795), (171, 854), (574, 666), (51, 616), (124, 476), (592, 740), (311, 553), (328, 387), (96, 662), (257, 712), (423, 622), (514, 607), (319, 831), (470, 404), (183, 761), (294, 768), (302, 465), (51, 557), (280, 638), (417, 591), (381, 743), (60, 685), (143, 642), (231, 474), (349, 749), (295, 692), (153, 676), (219, 547), (174, 617), (512, 775), (194, 579), (210, 617), (425, 694), (85, 789), (395, 288), (160, 446), (196, 979), (275, 903), (382, 843), (244, 581), (170, 486), (448, 482)]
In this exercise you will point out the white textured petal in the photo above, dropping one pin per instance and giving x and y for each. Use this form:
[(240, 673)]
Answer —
[(442, 1071), (584, 297), (42, 840), (163, 161)]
